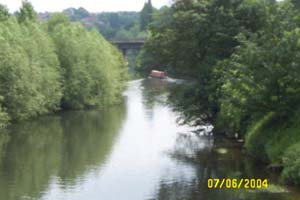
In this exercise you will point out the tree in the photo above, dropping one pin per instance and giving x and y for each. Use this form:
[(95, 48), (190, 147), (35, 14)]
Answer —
[(59, 64), (94, 71), (146, 15), (4, 14), (26, 12), (29, 70)]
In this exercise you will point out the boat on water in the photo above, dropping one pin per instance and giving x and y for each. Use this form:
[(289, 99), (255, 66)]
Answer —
[(158, 74)]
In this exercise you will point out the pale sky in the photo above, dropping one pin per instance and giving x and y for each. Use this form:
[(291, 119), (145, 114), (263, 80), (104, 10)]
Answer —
[(90, 5)]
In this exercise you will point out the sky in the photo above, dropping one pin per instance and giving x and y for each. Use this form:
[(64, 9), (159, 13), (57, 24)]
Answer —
[(90, 5)]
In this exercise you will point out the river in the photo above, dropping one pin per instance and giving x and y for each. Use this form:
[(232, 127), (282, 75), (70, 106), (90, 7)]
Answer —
[(133, 151)]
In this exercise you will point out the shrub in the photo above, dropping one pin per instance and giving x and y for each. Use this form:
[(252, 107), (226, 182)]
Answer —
[(256, 137), (291, 164)]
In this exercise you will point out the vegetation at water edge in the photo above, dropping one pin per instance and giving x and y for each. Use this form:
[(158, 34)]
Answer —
[(54, 65), (244, 59)]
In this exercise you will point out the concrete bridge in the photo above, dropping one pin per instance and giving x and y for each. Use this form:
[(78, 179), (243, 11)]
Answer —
[(126, 45)]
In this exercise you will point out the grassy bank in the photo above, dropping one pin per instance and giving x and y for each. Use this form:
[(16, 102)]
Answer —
[(277, 141)]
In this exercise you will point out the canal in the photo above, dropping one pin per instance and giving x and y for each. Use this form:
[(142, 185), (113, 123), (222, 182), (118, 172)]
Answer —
[(133, 151)]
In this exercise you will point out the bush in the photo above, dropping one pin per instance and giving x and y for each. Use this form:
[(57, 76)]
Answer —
[(291, 164), (283, 133), (256, 137)]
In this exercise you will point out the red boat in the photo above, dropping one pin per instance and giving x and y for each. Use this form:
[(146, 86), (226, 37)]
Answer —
[(158, 74)]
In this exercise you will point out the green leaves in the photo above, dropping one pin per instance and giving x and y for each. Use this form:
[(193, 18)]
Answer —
[(146, 16), (44, 67), (262, 76), (29, 75), (94, 71), (4, 14), (244, 56), (27, 12), (291, 163)]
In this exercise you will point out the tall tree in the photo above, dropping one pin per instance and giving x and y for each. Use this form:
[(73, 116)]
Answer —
[(27, 12), (146, 15), (4, 14), (94, 71)]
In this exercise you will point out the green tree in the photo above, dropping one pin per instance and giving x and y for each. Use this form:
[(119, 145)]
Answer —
[(146, 15), (58, 64), (26, 12), (244, 59), (4, 14), (29, 70), (94, 71)]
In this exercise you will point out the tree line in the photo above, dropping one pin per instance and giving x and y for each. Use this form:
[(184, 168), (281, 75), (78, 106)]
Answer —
[(119, 25), (244, 57), (45, 67)]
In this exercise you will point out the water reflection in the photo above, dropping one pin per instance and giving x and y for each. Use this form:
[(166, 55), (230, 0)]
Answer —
[(87, 140), (133, 151), (29, 158), (60, 147), (206, 161)]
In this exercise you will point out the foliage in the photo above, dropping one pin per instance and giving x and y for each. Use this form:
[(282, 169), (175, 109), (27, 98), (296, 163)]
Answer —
[(59, 64), (26, 12), (261, 77), (246, 89), (291, 163), (29, 70), (4, 14), (282, 132), (112, 25), (196, 35), (119, 25), (256, 137), (189, 102), (243, 57), (146, 15), (94, 71)]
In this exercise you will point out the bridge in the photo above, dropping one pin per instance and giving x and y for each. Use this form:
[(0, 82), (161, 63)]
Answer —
[(126, 45)]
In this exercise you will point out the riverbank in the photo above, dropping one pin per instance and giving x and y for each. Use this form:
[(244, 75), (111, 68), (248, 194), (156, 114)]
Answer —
[(273, 141), (246, 72), (277, 141)]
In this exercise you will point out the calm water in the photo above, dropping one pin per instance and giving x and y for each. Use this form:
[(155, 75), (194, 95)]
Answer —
[(133, 151)]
